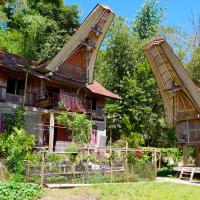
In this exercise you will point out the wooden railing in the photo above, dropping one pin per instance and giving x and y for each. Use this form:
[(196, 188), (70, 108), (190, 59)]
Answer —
[(46, 99)]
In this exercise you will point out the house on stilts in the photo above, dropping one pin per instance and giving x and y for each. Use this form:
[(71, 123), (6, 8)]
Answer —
[(180, 96), (64, 83)]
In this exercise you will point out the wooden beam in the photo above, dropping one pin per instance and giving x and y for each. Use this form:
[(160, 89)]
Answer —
[(51, 131)]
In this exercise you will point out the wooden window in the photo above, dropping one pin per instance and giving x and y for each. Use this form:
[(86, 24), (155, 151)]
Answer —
[(15, 86)]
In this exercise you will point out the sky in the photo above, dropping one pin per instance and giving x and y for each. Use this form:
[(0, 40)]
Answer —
[(178, 12)]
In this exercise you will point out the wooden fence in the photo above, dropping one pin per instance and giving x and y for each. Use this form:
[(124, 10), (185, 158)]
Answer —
[(111, 161)]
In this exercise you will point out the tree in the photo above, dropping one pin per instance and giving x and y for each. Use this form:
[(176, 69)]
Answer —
[(194, 66), (45, 26), (122, 67), (147, 19)]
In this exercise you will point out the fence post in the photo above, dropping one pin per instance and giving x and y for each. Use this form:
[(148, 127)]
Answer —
[(111, 165), (160, 157), (42, 169), (126, 162), (155, 162)]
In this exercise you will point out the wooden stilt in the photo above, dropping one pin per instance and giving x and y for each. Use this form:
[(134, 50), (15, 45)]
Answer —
[(185, 155), (51, 131), (197, 156)]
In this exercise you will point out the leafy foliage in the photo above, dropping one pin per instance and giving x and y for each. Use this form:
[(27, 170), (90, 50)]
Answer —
[(15, 146), (19, 191), (194, 66), (147, 19), (15, 119), (42, 26), (80, 125)]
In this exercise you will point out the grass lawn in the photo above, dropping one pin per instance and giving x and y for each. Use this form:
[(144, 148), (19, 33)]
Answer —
[(129, 191)]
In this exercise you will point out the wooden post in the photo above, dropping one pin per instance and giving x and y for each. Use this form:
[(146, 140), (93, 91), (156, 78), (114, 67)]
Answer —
[(126, 162), (185, 155), (197, 156), (160, 157), (111, 167), (155, 162), (51, 132), (42, 169), (25, 87)]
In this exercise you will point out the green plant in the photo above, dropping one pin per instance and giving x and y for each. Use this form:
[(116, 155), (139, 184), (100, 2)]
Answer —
[(80, 125), (16, 177), (15, 119), (166, 171), (19, 191), (54, 179), (15, 146), (52, 157), (34, 157), (72, 152)]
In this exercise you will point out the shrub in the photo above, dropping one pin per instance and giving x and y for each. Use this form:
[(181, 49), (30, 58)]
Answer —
[(170, 158), (19, 191), (14, 147), (52, 157), (16, 177)]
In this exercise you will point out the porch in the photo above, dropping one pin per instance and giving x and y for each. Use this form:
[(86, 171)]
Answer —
[(58, 138)]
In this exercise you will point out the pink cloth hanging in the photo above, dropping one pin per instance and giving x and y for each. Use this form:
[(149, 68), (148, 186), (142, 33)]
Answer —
[(94, 137)]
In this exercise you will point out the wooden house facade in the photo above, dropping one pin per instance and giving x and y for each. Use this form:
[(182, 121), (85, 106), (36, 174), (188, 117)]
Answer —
[(180, 96), (65, 83)]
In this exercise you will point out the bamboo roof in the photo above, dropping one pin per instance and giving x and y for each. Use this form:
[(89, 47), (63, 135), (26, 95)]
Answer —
[(175, 85)]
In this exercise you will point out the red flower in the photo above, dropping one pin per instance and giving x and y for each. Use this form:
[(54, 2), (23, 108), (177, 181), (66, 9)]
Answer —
[(138, 152)]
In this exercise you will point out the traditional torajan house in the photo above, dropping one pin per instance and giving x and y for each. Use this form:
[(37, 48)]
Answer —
[(65, 83), (181, 97)]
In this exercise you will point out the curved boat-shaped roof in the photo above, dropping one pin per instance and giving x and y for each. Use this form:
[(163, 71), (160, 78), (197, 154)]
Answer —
[(89, 35), (178, 91)]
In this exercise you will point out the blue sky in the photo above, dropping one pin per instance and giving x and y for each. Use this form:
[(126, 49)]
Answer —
[(178, 12)]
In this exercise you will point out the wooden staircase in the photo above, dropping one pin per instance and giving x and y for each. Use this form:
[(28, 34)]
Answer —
[(187, 173)]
